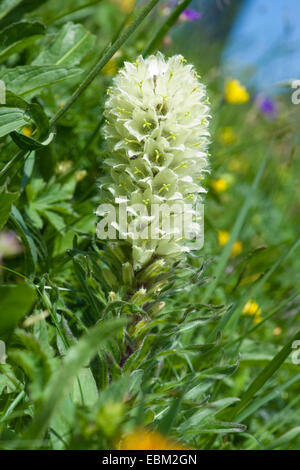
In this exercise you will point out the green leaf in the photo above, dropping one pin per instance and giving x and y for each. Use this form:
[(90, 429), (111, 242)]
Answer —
[(204, 419), (25, 234), (69, 46), (6, 6), (284, 440), (28, 110), (116, 391), (15, 301), (50, 201), (11, 119), (85, 390), (18, 36), (74, 9), (104, 58), (6, 201), (61, 423), (6, 384), (25, 79), (13, 10), (28, 143), (35, 362), (141, 354), (60, 384), (166, 423), (260, 402), (14, 101)]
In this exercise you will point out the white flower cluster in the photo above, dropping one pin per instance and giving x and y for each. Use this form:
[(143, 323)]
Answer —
[(157, 136)]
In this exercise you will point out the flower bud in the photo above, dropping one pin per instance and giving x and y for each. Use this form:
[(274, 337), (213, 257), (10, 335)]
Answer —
[(139, 296), (127, 274)]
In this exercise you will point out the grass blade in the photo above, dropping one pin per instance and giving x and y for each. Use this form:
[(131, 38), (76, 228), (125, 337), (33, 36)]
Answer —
[(263, 377), (258, 285), (77, 357), (104, 59), (235, 232), (285, 439), (257, 404)]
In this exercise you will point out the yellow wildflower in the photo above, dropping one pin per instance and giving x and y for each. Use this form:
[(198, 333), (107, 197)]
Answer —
[(227, 136), (251, 308), (223, 237), (219, 185), (27, 131), (237, 248), (235, 93), (142, 439), (257, 319)]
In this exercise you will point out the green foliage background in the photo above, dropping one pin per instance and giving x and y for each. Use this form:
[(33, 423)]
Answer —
[(85, 363)]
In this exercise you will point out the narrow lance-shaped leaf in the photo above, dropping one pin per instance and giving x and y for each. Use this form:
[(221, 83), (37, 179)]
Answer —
[(77, 357), (69, 46), (31, 250), (6, 201), (263, 377), (15, 301), (12, 119), (18, 36), (25, 79), (13, 10)]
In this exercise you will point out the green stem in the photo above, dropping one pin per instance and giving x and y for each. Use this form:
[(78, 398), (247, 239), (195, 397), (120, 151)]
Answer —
[(74, 10), (13, 405), (103, 60), (13, 162)]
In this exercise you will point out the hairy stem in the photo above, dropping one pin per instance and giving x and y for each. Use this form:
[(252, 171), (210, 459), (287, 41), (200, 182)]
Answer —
[(103, 60)]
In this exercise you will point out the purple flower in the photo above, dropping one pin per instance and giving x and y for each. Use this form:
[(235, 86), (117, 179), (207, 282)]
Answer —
[(187, 15), (190, 15), (266, 106)]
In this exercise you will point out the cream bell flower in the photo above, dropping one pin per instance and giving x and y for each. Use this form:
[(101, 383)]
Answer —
[(157, 136)]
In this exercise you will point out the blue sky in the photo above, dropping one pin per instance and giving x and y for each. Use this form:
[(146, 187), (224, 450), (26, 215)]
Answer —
[(265, 42)]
